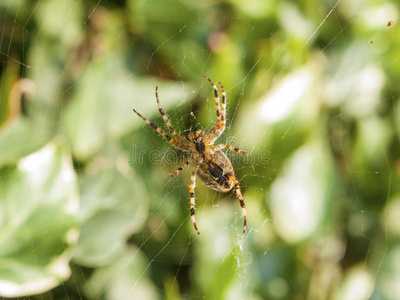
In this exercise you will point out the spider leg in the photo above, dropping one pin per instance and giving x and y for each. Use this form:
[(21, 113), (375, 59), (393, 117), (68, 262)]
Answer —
[(216, 93), (159, 130), (181, 168), (192, 203), (181, 144), (176, 136), (219, 126), (223, 112), (239, 195), (165, 117), (223, 145)]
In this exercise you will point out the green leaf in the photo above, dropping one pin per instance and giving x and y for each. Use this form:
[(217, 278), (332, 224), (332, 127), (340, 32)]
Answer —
[(386, 262), (224, 275), (38, 201), (113, 208), (125, 279), (220, 249), (300, 196), (357, 283), (18, 140)]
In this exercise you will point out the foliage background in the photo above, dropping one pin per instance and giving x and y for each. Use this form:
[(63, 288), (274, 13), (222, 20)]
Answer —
[(88, 211)]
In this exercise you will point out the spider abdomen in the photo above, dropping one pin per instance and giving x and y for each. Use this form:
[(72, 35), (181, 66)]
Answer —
[(217, 172)]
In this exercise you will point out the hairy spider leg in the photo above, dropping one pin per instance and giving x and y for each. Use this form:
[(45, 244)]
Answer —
[(216, 96), (192, 203), (159, 130), (224, 145), (181, 140), (181, 168), (165, 117), (219, 125), (223, 111), (239, 195)]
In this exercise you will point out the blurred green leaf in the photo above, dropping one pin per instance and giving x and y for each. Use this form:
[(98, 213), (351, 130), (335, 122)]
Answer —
[(18, 140), (224, 275), (173, 41), (301, 195), (48, 56), (125, 279), (38, 204), (113, 208), (59, 25), (357, 284), (387, 260), (220, 248)]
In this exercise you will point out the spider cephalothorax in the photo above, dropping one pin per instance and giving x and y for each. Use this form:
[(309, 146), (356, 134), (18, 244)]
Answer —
[(197, 139), (212, 166)]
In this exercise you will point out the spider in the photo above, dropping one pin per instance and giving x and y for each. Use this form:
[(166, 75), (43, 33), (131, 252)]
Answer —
[(212, 166)]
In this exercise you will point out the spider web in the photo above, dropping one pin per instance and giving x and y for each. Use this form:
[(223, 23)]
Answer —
[(293, 108)]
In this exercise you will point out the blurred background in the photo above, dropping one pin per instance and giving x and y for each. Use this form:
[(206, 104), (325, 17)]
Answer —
[(88, 209)]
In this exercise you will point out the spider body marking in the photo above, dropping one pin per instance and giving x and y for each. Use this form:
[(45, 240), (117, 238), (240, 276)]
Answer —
[(212, 166), (217, 173), (215, 169)]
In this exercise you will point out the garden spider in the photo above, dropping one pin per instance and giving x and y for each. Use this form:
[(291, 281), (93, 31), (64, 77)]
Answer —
[(212, 166)]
